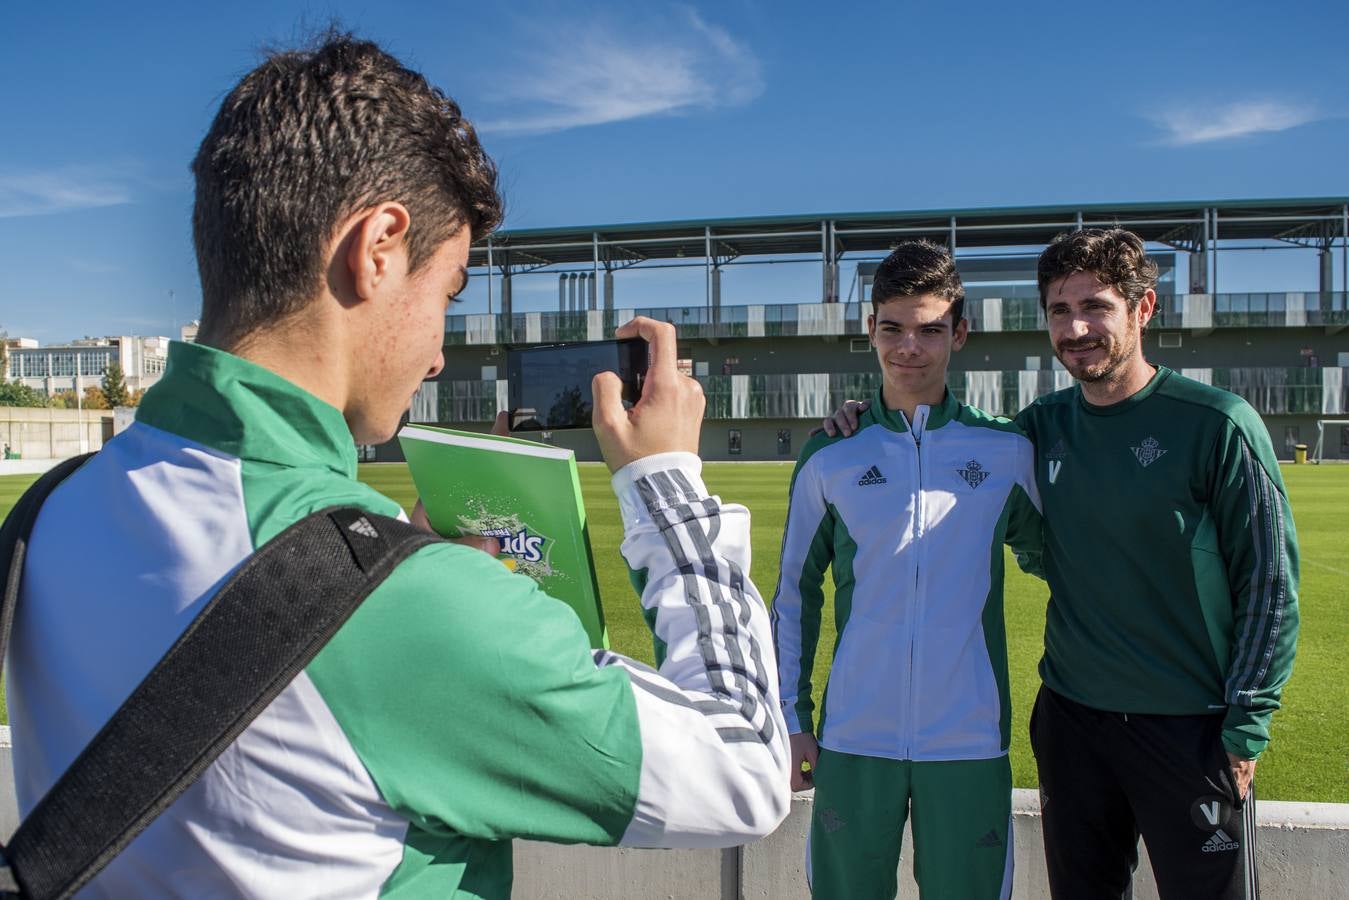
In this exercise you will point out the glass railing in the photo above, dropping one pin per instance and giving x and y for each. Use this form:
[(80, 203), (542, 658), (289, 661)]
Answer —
[(1271, 391), (1015, 313)]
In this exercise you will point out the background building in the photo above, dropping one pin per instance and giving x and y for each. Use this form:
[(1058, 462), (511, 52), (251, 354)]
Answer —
[(771, 371), (81, 364)]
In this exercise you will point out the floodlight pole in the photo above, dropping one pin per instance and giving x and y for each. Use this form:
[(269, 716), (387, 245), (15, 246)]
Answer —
[(489, 274), (707, 251), (595, 270), (1213, 288)]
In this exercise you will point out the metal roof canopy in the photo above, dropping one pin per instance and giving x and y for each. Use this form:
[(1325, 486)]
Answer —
[(1196, 228), (1193, 227)]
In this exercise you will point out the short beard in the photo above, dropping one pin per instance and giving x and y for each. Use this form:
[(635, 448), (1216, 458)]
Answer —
[(1117, 355)]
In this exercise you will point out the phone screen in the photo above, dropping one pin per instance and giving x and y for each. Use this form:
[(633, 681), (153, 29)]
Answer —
[(549, 387)]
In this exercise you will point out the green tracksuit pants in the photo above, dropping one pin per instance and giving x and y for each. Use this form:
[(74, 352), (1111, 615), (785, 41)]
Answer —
[(961, 827)]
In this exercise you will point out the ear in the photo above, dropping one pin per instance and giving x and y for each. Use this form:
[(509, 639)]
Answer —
[(1147, 308), (962, 331), (377, 246), (871, 328)]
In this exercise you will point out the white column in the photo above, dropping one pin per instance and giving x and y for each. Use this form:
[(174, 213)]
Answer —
[(503, 395), (1062, 379), (623, 315), (984, 391), (1332, 391), (533, 328), (594, 325), (426, 405), (1197, 311), (1295, 310), (1027, 387), (833, 318), (810, 318), (992, 314), (754, 319), (812, 395), (1203, 376), (739, 396), (480, 329)]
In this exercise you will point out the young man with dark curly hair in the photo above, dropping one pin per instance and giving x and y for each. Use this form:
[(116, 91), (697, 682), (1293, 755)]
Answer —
[(459, 707)]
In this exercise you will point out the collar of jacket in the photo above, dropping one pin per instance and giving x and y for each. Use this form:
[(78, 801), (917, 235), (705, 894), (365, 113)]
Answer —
[(246, 411), (893, 419)]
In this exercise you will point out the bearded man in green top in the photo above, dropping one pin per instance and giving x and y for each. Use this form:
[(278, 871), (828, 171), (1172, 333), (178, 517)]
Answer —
[(1171, 558)]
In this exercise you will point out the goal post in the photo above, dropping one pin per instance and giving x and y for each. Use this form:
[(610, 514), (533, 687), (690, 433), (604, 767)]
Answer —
[(1318, 452)]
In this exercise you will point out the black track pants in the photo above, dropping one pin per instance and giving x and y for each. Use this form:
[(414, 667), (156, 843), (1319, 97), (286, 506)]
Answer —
[(1106, 778)]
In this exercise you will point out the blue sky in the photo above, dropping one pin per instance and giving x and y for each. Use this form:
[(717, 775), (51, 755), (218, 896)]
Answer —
[(602, 113)]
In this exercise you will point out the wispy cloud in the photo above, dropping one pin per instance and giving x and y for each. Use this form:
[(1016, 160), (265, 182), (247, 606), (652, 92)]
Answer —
[(37, 193), (574, 74), (1200, 124)]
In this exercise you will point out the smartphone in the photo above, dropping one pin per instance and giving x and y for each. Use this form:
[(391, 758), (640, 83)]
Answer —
[(549, 387)]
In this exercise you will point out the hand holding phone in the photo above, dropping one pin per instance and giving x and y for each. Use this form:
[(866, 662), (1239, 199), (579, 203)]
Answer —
[(669, 415), (550, 387)]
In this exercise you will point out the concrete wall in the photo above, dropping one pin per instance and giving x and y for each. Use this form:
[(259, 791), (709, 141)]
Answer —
[(53, 433), (1303, 851)]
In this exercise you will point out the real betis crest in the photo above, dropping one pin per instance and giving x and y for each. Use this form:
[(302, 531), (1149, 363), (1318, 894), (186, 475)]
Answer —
[(973, 473), (1149, 453)]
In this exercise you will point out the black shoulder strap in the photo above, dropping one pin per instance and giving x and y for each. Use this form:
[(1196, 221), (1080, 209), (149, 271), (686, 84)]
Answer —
[(252, 639), (14, 534)]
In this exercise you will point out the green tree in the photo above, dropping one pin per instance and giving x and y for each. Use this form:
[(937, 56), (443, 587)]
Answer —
[(94, 398), (115, 393), (62, 400), (12, 393)]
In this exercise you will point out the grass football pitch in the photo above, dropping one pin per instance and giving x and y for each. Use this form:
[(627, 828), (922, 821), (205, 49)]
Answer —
[(1305, 760)]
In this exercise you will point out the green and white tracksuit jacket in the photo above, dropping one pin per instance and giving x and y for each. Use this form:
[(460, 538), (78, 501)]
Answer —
[(912, 518), (458, 708)]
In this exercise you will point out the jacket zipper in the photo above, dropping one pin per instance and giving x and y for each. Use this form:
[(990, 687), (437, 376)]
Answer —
[(919, 526)]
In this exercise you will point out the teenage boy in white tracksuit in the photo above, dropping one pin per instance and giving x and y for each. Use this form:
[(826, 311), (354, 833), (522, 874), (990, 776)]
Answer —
[(911, 514)]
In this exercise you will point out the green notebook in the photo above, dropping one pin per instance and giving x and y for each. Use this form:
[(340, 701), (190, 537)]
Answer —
[(525, 494)]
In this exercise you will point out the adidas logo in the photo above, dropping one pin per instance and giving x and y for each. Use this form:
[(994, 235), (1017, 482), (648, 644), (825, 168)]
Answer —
[(1218, 842), (363, 527), (989, 840), (871, 476)]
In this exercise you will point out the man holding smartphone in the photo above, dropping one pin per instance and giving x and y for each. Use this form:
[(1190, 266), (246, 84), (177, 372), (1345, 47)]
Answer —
[(337, 194), (911, 515)]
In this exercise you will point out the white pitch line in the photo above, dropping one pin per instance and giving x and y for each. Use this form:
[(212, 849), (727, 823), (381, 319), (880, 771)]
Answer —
[(1329, 568)]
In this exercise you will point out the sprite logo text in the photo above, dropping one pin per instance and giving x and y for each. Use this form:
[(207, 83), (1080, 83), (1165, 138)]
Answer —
[(521, 544)]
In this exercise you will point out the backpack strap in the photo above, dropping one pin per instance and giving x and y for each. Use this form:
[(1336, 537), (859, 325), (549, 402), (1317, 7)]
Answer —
[(14, 535), (259, 631)]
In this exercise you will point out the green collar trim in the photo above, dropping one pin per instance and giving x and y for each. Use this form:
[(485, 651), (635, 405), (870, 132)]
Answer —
[(1128, 403), (244, 410), (893, 419)]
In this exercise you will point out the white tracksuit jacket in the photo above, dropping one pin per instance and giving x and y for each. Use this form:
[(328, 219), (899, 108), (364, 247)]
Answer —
[(912, 518)]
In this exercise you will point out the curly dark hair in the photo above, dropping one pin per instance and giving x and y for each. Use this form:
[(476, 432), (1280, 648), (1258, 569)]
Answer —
[(1116, 257), (919, 267), (305, 139)]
